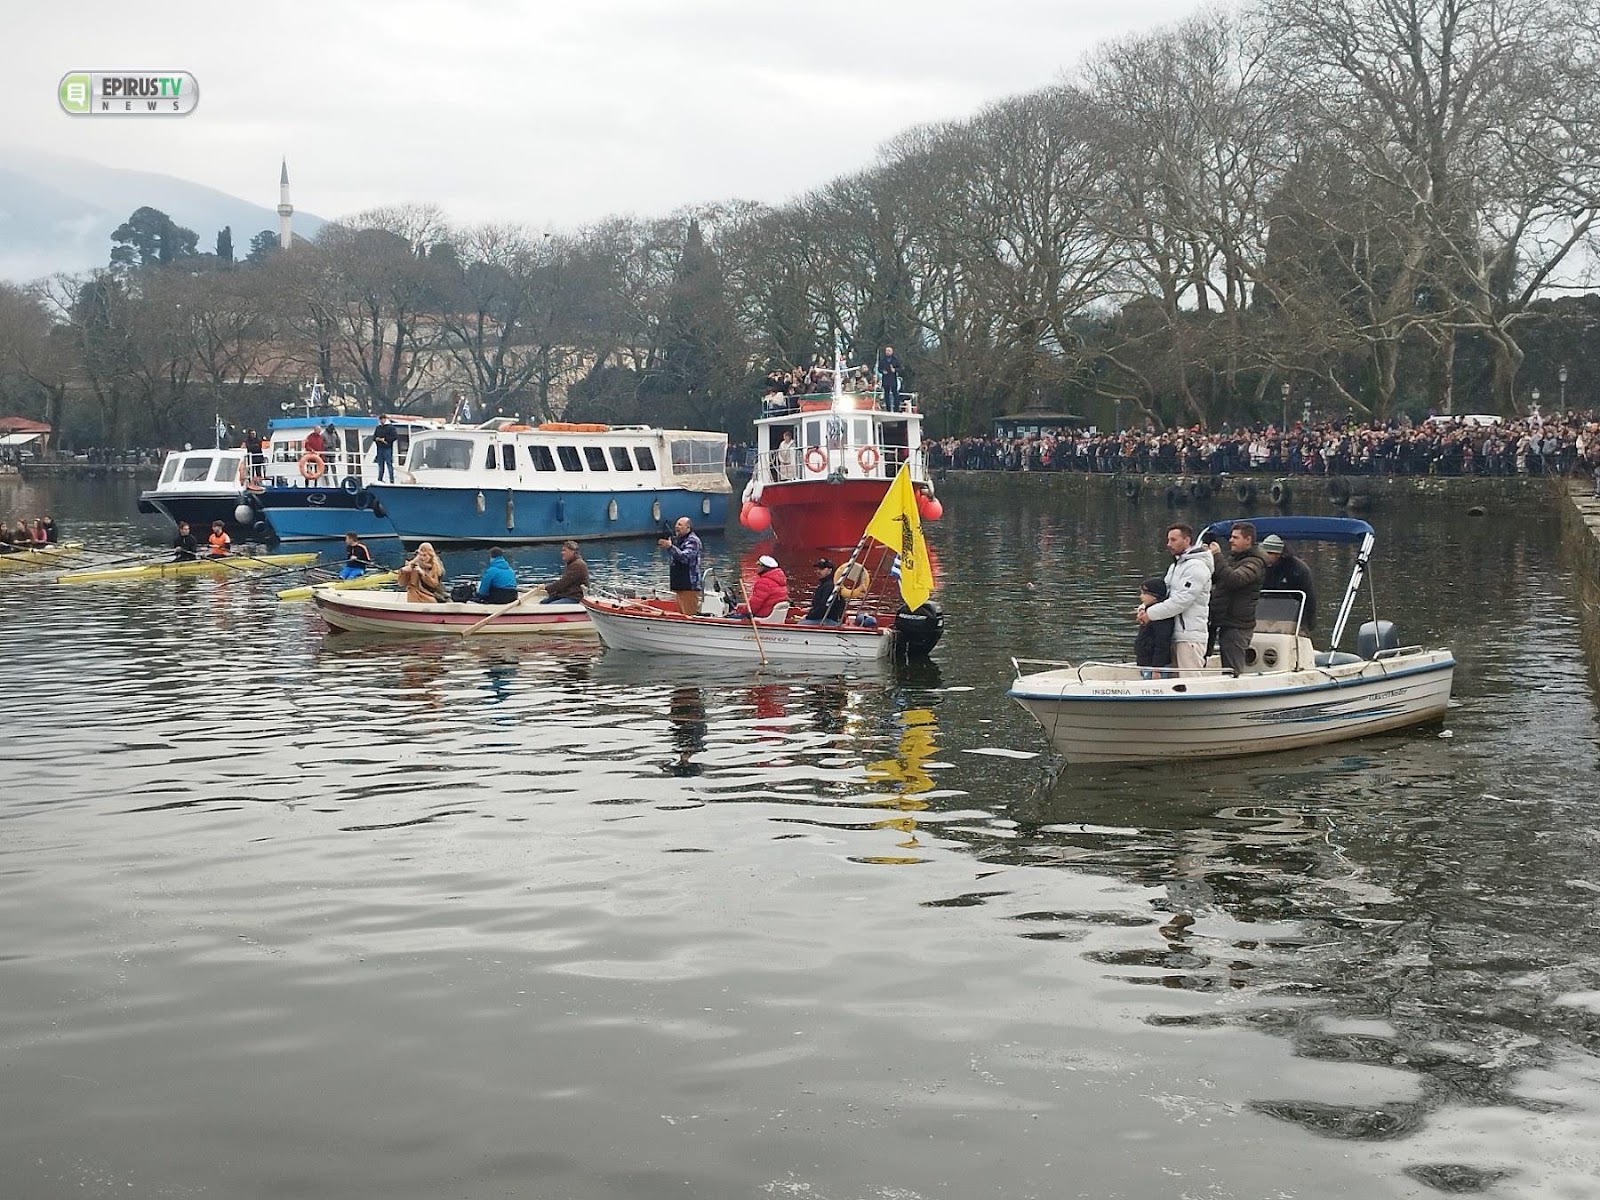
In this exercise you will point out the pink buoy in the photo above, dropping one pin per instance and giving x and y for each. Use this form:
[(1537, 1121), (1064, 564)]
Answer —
[(758, 519), (929, 507)]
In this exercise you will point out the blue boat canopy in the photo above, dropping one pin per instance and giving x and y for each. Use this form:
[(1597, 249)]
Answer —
[(338, 421), (1297, 529)]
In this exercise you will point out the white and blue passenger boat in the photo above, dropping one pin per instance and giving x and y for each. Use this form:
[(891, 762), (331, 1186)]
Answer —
[(304, 495), (508, 483)]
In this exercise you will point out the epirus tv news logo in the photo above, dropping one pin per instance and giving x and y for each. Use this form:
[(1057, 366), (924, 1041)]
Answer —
[(128, 93)]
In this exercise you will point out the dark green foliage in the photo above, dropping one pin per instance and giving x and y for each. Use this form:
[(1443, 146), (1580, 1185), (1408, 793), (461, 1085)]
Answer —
[(151, 238)]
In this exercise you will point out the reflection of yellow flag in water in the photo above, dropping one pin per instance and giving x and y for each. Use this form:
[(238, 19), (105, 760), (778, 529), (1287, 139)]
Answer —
[(895, 524)]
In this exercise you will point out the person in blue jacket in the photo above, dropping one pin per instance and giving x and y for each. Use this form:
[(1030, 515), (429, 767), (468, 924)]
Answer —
[(498, 583)]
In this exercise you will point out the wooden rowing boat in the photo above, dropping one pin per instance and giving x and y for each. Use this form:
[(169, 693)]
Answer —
[(21, 560), (199, 566), (372, 579), (391, 612)]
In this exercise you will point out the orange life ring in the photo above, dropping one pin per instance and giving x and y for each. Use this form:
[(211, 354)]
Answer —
[(312, 467), (816, 459), (867, 456), (852, 581)]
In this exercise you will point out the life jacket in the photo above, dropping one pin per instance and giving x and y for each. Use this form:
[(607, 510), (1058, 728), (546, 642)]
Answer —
[(219, 542)]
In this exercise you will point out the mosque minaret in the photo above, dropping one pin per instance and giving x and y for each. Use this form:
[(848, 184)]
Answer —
[(285, 209)]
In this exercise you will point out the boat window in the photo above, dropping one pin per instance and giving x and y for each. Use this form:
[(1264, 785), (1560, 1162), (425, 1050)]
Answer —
[(508, 456), (441, 454), (489, 460), (699, 456), (171, 469), (543, 460), (813, 433), (863, 432), (569, 458), (646, 460), (620, 459), (227, 469), (596, 457), (195, 469)]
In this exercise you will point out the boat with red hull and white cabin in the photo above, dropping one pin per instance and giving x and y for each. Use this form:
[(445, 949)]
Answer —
[(822, 487)]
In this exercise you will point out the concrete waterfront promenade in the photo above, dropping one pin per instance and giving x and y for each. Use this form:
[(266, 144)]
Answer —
[(1580, 541)]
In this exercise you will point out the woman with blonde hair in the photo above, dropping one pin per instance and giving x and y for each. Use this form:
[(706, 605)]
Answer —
[(423, 576)]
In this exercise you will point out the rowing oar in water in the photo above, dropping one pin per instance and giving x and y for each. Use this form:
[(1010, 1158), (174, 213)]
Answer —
[(128, 560), (743, 591), (326, 576), (270, 572), (501, 611)]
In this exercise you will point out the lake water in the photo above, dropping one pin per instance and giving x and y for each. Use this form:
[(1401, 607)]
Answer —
[(296, 915)]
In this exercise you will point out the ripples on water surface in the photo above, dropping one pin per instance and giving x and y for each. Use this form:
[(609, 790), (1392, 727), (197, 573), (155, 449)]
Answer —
[(297, 915)]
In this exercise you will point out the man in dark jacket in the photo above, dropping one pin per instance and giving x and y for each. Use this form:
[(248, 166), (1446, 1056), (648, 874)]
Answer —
[(827, 606), (1236, 577), (889, 375), (568, 589), (1286, 573), (683, 571)]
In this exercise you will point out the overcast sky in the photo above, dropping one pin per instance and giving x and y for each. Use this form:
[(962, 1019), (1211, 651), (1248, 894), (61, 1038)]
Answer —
[(547, 113)]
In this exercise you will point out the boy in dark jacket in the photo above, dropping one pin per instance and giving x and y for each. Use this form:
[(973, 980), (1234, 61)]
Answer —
[(1152, 648)]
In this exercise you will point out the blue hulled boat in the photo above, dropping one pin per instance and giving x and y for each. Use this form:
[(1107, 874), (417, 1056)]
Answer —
[(508, 483), (305, 494)]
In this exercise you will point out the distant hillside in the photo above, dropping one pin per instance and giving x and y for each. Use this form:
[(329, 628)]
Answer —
[(57, 213)]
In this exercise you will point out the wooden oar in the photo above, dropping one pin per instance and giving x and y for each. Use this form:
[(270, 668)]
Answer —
[(760, 649), (501, 611)]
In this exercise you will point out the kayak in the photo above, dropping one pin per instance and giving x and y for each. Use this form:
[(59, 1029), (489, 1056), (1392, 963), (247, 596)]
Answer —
[(199, 566), (372, 579), (44, 556)]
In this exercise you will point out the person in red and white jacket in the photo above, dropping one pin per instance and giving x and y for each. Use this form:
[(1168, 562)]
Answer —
[(771, 588)]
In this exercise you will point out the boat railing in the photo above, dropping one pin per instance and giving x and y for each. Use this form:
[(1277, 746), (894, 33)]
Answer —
[(1396, 652), (778, 406), (1050, 663), (282, 465), (848, 460)]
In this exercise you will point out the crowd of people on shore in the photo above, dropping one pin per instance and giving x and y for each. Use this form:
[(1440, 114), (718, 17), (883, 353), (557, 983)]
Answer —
[(1563, 444)]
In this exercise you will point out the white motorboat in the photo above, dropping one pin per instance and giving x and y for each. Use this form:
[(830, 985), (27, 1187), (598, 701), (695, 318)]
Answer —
[(1289, 695), (657, 627)]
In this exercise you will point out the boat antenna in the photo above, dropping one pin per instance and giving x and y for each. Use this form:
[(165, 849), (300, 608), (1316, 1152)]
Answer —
[(838, 374)]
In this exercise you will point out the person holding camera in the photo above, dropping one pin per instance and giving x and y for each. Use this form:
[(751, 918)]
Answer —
[(683, 550)]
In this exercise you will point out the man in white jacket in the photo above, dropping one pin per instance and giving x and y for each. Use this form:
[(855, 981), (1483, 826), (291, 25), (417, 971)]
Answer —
[(1188, 599)]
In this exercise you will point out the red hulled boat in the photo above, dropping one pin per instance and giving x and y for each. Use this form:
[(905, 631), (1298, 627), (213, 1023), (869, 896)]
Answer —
[(820, 485)]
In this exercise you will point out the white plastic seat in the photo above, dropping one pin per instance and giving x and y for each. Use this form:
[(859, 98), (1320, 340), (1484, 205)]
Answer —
[(778, 615)]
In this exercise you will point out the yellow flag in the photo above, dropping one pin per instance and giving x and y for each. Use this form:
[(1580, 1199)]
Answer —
[(896, 525)]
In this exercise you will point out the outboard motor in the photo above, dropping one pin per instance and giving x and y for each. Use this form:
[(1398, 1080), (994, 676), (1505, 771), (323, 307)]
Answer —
[(917, 632), (1374, 636)]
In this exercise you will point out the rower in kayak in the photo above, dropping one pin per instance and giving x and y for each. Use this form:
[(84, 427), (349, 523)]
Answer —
[(357, 558), (218, 540), (186, 546)]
